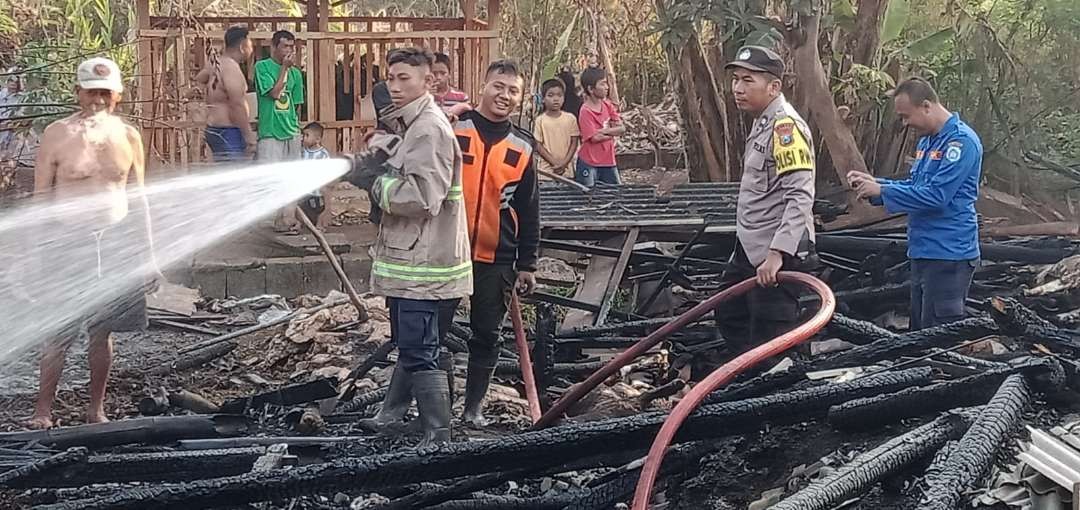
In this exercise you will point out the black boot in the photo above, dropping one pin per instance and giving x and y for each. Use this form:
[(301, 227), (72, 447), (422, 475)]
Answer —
[(477, 381), (432, 392), (394, 405)]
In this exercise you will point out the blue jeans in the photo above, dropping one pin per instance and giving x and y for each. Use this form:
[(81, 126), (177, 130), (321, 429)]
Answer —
[(939, 289), (588, 175), (416, 327), (226, 143)]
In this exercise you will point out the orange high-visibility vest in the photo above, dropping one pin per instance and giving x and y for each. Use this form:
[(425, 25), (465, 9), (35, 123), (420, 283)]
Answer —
[(490, 176)]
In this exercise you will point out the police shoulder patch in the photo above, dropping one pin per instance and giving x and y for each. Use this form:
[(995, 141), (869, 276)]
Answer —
[(953, 153), (785, 131)]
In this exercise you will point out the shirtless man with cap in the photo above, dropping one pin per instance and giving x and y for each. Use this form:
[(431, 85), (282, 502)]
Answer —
[(87, 159)]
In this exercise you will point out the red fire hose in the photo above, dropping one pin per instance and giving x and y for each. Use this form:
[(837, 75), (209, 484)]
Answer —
[(524, 359), (577, 391), (727, 372)]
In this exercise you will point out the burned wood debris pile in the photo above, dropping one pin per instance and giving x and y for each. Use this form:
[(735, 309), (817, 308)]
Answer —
[(865, 412)]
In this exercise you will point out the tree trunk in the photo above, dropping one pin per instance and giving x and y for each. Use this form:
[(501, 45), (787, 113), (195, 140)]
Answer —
[(866, 37), (843, 151), (604, 52), (733, 129), (598, 28), (701, 108)]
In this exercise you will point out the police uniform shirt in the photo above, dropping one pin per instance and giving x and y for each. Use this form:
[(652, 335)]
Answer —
[(776, 195)]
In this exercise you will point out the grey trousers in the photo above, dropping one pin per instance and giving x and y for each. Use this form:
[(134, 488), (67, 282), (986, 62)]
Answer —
[(270, 150)]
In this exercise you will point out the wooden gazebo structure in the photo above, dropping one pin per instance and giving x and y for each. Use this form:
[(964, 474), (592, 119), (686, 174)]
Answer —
[(340, 57)]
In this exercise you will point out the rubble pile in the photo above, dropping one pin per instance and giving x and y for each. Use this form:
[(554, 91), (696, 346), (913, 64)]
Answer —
[(866, 413), (651, 128)]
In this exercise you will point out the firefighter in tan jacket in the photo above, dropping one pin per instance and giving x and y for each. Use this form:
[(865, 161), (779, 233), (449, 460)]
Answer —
[(422, 262)]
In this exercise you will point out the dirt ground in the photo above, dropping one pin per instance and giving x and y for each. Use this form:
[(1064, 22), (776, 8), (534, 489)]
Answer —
[(135, 354)]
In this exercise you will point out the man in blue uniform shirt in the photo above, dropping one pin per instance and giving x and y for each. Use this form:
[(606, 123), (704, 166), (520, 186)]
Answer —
[(939, 199)]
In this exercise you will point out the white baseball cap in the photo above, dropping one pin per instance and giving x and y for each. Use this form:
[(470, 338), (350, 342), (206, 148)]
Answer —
[(99, 73)]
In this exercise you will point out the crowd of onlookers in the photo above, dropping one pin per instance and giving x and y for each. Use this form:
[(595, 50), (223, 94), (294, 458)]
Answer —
[(574, 132)]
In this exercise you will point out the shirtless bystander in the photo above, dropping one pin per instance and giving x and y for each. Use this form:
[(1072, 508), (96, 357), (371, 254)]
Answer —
[(228, 119), (88, 159)]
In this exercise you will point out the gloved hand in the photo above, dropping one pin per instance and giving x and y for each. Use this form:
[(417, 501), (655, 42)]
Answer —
[(369, 164)]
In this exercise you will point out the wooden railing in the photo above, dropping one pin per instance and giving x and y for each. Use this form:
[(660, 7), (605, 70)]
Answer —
[(299, 24), (339, 70)]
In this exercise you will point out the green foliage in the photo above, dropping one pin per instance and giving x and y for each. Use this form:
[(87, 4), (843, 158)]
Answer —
[(843, 14), (861, 85), (930, 44), (896, 18), (7, 24), (561, 45), (62, 35)]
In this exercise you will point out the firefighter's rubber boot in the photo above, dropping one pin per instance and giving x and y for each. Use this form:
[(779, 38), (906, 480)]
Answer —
[(394, 406), (432, 392), (477, 381)]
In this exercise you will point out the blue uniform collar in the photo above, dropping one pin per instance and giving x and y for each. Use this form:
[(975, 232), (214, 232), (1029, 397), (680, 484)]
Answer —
[(949, 127)]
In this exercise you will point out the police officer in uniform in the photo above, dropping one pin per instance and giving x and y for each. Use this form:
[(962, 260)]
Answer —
[(775, 225)]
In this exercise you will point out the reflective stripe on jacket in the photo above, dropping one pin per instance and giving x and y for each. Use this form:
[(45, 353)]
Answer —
[(422, 251)]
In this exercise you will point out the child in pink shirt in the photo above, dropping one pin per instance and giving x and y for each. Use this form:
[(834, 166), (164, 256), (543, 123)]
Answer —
[(599, 124)]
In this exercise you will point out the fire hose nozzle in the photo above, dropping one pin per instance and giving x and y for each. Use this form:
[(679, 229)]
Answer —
[(370, 163)]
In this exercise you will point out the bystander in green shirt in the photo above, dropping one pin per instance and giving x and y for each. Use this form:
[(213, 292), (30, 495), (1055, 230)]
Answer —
[(278, 118)]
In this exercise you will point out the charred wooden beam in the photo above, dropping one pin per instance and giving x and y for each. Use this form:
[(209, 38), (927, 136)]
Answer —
[(361, 401), (635, 257), (638, 327), (544, 351), (443, 493), (989, 250), (602, 342), (856, 331), (760, 385), (246, 441), (891, 292), (1020, 321), (875, 465), (556, 502), (161, 429), (511, 368), (195, 359), (555, 299), (605, 492), (965, 467), (534, 449), (894, 347), (19, 475), (972, 390), (39, 496), (287, 396), (152, 467), (960, 359)]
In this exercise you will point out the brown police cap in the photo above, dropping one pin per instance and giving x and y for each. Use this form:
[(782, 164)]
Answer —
[(758, 59)]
